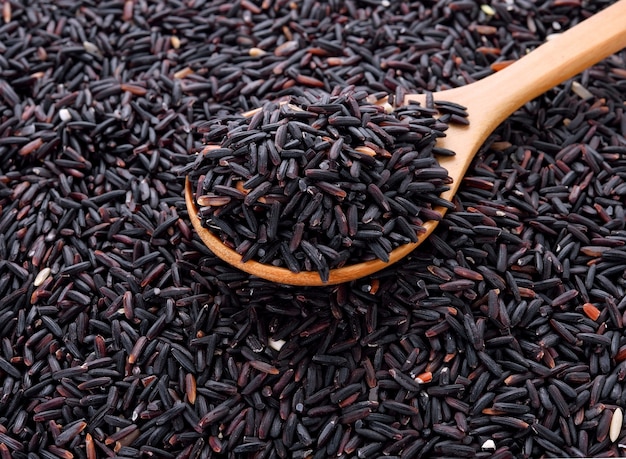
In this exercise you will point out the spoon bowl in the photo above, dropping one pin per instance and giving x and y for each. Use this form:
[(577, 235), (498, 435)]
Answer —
[(489, 102)]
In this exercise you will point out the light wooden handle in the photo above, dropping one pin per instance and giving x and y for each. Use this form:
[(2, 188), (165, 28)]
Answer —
[(560, 58), (491, 100), (565, 55)]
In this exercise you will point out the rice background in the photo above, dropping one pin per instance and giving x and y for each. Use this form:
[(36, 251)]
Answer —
[(123, 336)]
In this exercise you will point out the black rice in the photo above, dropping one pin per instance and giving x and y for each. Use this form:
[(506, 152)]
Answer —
[(122, 335)]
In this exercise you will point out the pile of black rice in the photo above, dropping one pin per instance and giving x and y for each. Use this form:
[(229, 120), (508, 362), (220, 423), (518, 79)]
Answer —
[(121, 335), (322, 180)]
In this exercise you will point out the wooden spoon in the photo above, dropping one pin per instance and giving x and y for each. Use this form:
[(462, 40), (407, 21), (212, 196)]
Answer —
[(489, 102)]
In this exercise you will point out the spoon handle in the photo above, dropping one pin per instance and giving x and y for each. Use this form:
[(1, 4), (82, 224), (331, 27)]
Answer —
[(565, 55)]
